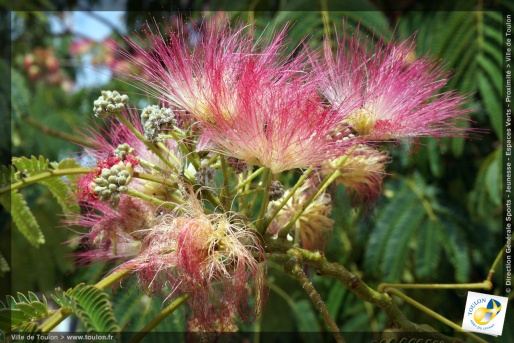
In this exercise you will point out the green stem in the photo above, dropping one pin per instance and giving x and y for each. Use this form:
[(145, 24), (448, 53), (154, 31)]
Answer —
[(192, 156), (155, 201), (149, 145), (112, 278), (251, 12), (247, 180), (225, 193), (291, 192), (323, 185), (154, 178), (326, 20), (298, 273), (250, 192), (297, 233), (152, 166), (426, 203), (242, 202), (65, 312), (268, 176), (213, 199), (487, 285), (281, 293), (257, 329), (159, 318), (55, 319), (327, 180), (44, 175), (496, 263), (436, 315), (212, 159), (164, 148)]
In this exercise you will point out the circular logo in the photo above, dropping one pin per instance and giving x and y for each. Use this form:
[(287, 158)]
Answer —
[(484, 315)]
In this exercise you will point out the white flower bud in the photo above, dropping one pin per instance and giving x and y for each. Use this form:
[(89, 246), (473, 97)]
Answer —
[(109, 103)]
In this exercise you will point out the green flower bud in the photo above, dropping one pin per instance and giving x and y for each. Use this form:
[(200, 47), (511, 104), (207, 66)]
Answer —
[(113, 182), (108, 103)]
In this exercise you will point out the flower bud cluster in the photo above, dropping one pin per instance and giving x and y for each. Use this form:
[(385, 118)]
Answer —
[(123, 150), (108, 103), (112, 183), (155, 120), (237, 165), (205, 176), (276, 190)]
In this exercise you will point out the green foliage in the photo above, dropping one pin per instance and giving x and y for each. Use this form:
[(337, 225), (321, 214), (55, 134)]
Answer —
[(385, 224), (134, 308), (23, 168), (485, 196), (438, 220), (310, 22), (4, 266), (20, 94), (428, 251), (8, 175), (23, 217), (305, 316), (21, 313), (335, 298), (62, 193), (32, 329), (67, 163), (411, 228), (30, 166), (91, 305)]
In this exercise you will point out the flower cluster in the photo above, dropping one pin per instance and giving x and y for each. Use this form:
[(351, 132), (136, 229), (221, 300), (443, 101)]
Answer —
[(225, 101), (215, 258), (267, 109), (118, 147), (254, 103)]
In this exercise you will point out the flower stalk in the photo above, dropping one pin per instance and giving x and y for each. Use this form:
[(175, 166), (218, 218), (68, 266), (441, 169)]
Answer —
[(168, 310), (286, 198), (268, 176), (225, 192), (43, 176), (149, 145)]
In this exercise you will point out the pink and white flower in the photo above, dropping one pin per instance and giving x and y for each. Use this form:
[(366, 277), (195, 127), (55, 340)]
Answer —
[(211, 257), (315, 225), (398, 97), (360, 171), (254, 103)]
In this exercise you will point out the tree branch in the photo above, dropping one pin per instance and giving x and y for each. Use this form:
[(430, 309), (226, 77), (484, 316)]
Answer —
[(361, 289)]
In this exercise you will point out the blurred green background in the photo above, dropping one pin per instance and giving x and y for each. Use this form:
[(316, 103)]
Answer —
[(437, 221)]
